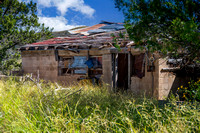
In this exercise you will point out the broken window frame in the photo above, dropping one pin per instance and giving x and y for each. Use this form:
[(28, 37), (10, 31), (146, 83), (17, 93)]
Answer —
[(98, 70), (65, 69)]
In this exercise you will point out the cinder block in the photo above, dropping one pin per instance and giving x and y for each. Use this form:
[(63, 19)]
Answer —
[(163, 94), (164, 80)]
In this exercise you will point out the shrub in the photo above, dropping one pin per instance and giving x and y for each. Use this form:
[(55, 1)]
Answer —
[(191, 92)]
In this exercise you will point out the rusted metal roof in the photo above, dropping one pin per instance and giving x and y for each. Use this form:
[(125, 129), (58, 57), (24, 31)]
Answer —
[(102, 40), (79, 41), (97, 26)]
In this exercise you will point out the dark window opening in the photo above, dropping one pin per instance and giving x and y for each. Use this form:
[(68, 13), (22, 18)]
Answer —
[(95, 66)]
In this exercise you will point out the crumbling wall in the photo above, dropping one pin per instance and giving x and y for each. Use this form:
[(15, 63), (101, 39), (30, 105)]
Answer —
[(166, 80), (107, 69), (147, 85), (68, 80), (41, 62), (170, 81), (44, 63), (159, 83)]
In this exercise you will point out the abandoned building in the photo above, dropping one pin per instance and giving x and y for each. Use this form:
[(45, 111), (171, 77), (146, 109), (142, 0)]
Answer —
[(89, 53)]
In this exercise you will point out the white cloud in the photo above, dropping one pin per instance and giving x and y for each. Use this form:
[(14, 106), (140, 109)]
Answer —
[(63, 6), (59, 23), (45, 3)]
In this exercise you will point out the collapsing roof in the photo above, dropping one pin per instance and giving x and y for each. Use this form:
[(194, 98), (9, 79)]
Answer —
[(85, 30), (98, 36), (102, 27)]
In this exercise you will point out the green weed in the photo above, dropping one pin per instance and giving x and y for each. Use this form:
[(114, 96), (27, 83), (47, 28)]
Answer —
[(87, 108)]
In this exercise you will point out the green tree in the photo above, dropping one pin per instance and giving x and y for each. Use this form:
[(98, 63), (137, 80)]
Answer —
[(18, 26), (171, 27)]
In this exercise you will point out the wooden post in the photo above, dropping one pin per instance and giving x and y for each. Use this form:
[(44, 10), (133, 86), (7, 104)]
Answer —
[(88, 56), (56, 55), (38, 75), (114, 71), (129, 70)]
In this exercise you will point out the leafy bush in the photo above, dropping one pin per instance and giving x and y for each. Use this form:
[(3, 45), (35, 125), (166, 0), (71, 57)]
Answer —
[(190, 92), (27, 107)]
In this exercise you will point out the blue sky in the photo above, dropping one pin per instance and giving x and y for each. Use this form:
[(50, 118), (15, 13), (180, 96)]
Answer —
[(66, 14)]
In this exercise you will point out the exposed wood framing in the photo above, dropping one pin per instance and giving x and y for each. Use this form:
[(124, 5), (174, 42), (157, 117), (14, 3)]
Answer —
[(114, 71), (129, 70), (56, 54), (92, 52), (170, 69), (88, 56)]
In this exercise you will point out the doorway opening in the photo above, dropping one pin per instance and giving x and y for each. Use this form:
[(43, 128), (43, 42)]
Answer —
[(122, 82)]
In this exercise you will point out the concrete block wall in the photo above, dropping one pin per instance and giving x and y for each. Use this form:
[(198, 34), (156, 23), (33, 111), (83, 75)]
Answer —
[(143, 86), (45, 63), (166, 80), (68, 80), (107, 69), (42, 62)]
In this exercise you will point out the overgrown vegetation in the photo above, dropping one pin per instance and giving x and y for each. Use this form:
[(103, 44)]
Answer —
[(25, 108), (191, 92)]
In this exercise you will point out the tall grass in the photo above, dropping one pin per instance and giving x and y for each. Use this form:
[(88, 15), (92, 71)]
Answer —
[(25, 108)]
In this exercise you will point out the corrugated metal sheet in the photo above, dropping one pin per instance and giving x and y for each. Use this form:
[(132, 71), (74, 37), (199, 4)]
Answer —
[(113, 26), (95, 37), (89, 28), (100, 31)]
